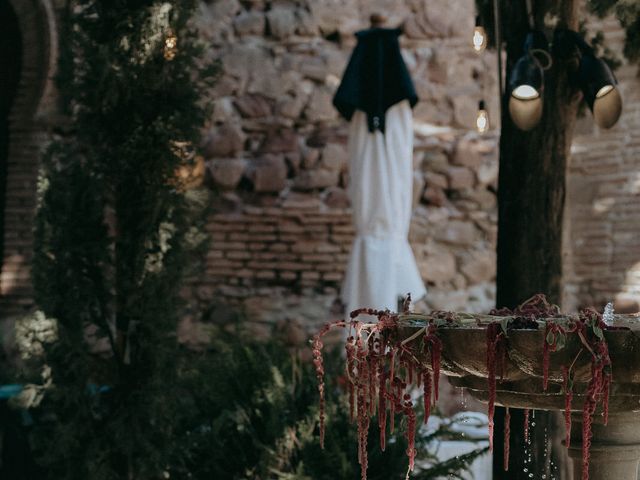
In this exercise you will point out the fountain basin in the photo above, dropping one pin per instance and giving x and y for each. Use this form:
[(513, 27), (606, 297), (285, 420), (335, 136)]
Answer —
[(615, 448)]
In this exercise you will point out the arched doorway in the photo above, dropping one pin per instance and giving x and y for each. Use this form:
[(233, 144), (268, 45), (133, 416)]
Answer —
[(10, 70), (28, 55)]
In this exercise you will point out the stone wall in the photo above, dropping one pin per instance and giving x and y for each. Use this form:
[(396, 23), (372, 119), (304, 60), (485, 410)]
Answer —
[(603, 222), (276, 155), (276, 160)]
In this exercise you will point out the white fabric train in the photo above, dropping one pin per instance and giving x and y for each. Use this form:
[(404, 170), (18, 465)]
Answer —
[(382, 266)]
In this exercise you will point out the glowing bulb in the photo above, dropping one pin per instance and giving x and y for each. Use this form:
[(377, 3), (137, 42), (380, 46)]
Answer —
[(604, 90), (170, 46), (482, 120), (479, 39), (525, 92)]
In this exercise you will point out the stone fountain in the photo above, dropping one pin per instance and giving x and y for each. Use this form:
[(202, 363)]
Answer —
[(614, 448), (533, 358)]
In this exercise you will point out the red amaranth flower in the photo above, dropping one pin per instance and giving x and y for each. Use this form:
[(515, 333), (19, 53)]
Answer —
[(426, 385), (435, 346), (507, 438), (382, 405), (568, 397), (411, 430), (494, 337), (350, 349)]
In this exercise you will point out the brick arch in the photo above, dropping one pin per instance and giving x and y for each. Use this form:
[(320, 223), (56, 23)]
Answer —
[(29, 121)]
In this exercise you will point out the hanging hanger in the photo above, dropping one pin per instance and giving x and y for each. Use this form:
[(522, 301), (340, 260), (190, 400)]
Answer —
[(377, 20)]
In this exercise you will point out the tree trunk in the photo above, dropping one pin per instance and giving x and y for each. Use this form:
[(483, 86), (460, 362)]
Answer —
[(531, 194)]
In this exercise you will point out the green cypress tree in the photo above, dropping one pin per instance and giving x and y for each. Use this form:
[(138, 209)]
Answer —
[(112, 228)]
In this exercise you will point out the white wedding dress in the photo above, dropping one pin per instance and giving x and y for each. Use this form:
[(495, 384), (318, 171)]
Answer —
[(382, 266)]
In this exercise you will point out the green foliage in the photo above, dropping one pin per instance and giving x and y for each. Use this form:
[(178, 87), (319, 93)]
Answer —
[(255, 416), (112, 236)]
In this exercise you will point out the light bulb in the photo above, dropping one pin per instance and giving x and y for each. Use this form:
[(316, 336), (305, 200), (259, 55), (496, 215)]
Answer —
[(482, 120), (479, 39), (525, 92), (170, 46)]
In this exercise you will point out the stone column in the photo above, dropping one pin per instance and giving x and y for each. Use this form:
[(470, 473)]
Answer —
[(615, 448)]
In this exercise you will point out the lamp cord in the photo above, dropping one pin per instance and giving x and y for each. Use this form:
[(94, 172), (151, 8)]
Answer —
[(496, 30), (530, 15)]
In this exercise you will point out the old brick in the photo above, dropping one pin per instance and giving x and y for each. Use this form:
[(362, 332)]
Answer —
[(265, 274), (304, 247), (332, 276), (310, 275), (288, 275), (238, 255)]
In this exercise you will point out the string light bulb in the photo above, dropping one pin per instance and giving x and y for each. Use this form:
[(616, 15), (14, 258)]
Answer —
[(482, 120), (170, 46), (479, 39)]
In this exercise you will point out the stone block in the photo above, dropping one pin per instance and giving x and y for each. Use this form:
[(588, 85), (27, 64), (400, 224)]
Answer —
[(438, 267), (460, 178), (281, 22), (334, 157), (434, 196), (418, 187), (268, 174), (291, 106), (226, 173), (320, 108), (465, 109), (281, 141), (317, 178), (436, 180), (479, 267), (456, 232), (336, 197), (249, 23), (306, 25), (224, 141), (468, 152), (253, 106)]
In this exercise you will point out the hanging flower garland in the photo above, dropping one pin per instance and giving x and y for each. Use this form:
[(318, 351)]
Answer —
[(383, 368)]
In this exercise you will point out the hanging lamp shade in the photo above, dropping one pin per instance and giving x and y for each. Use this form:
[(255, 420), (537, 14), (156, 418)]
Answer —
[(526, 82), (525, 88), (599, 87)]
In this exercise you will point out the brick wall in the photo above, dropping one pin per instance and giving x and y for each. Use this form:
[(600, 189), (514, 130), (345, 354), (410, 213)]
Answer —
[(29, 122), (603, 223)]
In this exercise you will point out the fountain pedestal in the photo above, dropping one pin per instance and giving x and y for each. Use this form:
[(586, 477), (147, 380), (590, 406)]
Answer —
[(615, 448)]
